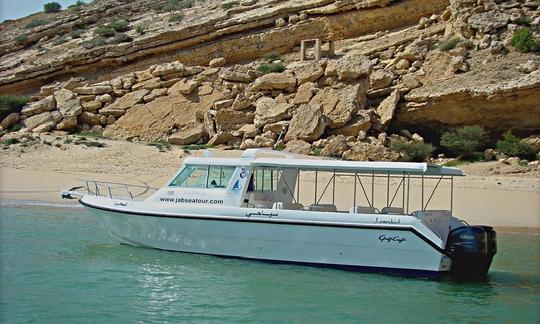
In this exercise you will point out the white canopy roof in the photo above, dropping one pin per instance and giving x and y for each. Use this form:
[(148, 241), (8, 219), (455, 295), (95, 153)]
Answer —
[(357, 166), (293, 162)]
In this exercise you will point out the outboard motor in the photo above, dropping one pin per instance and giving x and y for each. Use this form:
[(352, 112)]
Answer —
[(471, 249)]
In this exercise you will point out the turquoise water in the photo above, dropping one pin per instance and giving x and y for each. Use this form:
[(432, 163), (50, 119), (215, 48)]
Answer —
[(58, 266)]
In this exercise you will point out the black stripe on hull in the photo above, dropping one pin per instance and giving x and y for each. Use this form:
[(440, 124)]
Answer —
[(273, 221)]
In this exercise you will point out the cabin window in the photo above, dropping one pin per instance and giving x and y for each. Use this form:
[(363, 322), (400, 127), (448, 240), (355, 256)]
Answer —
[(192, 176), (265, 180), (204, 176), (219, 176)]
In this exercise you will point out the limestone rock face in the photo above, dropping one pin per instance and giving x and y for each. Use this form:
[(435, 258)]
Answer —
[(307, 124), (191, 134), (387, 109), (361, 151), (155, 119), (46, 104), (349, 67), (36, 120), (335, 147), (274, 81), (268, 111), (119, 107)]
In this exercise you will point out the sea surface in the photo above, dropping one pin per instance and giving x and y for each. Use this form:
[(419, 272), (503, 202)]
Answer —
[(58, 266)]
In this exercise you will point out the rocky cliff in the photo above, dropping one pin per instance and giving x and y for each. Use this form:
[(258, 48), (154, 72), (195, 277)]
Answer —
[(418, 65)]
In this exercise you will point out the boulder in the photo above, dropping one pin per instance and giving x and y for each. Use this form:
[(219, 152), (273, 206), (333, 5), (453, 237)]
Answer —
[(233, 76), (268, 111), (274, 81), (336, 146), (67, 123), (361, 151), (150, 84), (224, 138), (189, 135), (89, 118), (298, 147), (360, 122), (304, 93), (241, 102), (93, 90), (154, 94), (249, 130), (46, 104), (307, 124), (229, 120), (91, 106), (217, 62), (63, 95), (307, 71), (71, 108), (39, 119), (387, 109), (381, 79), (167, 69), (10, 120), (277, 128), (184, 86), (339, 105), (119, 107), (350, 67)]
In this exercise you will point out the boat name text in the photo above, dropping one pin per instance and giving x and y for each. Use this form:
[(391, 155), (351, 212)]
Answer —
[(387, 221)]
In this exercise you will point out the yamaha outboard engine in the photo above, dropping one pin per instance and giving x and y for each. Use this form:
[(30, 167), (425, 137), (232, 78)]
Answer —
[(471, 249)]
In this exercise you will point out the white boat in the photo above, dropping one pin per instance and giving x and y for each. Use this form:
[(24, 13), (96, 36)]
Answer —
[(283, 208)]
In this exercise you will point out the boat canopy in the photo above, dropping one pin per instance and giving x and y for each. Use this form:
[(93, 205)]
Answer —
[(331, 165), (360, 167)]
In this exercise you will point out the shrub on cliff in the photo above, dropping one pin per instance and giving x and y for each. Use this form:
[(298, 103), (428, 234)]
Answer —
[(513, 146), (10, 103), (52, 7), (119, 25), (94, 42), (413, 151), (21, 39), (524, 41), (271, 68), (35, 22), (121, 38), (176, 17), (464, 141)]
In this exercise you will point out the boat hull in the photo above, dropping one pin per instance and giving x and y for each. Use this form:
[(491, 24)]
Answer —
[(399, 250)]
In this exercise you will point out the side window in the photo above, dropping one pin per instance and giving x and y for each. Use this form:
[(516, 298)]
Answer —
[(193, 176), (219, 176), (265, 180)]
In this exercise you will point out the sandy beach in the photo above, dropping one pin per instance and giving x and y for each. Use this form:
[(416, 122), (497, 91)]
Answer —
[(492, 193)]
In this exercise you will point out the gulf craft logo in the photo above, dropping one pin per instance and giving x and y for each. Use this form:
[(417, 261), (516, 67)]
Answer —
[(389, 239)]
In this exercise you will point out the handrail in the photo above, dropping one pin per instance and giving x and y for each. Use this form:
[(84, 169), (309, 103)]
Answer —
[(113, 185)]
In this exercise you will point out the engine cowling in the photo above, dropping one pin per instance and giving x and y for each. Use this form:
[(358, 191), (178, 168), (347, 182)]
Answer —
[(471, 249)]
